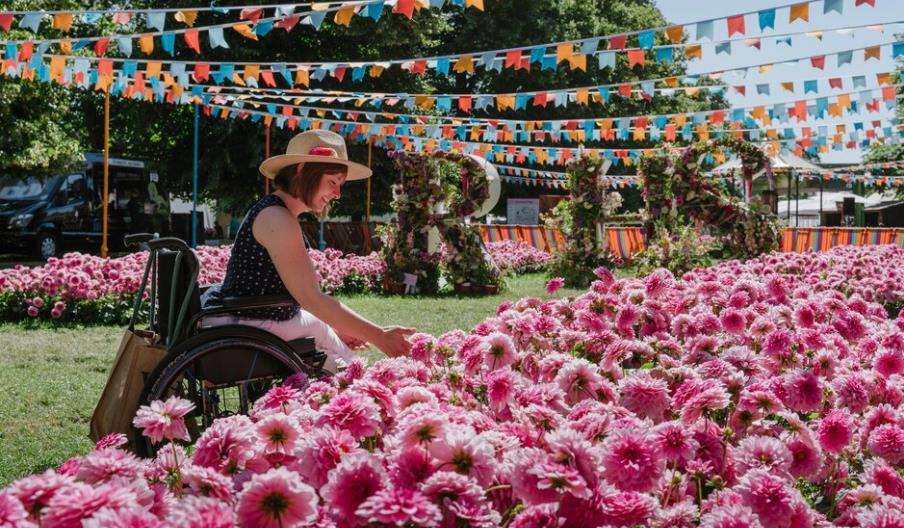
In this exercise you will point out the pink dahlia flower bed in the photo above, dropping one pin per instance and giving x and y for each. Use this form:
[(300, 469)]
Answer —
[(89, 288), (744, 395), (518, 257)]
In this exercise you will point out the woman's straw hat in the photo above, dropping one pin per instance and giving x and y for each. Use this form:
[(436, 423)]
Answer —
[(320, 146)]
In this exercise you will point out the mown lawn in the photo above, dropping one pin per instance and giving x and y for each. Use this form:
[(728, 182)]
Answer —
[(51, 378)]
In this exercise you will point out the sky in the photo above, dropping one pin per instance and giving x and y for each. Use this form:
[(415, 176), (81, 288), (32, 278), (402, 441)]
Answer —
[(887, 13)]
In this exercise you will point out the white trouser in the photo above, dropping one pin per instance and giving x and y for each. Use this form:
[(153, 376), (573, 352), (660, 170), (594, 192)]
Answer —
[(338, 354)]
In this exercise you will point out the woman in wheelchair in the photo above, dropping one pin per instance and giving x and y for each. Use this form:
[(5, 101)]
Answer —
[(269, 255)]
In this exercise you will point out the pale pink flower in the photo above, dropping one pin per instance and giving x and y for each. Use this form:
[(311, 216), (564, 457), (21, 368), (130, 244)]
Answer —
[(227, 445), (164, 419), (127, 518), (421, 427), (645, 395), (75, 504), (803, 391), (632, 461), (398, 507), (202, 512), (852, 391), (12, 513), (320, 451), (112, 440), (554, 284), (279, 433), (711, 398), (36, 491), (499, 350), (762, 452), (463, 451), (208, 482), (500, 387), (103, 465), (806, 458), (277, 499), (354, 412), (730, 516), (579, 379)]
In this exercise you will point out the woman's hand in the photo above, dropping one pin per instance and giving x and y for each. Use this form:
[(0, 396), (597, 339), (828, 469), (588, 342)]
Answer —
[(393, 342), (352, 342)]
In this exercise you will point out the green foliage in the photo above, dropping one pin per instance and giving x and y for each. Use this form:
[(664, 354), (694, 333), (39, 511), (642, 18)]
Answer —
[(678, 251)]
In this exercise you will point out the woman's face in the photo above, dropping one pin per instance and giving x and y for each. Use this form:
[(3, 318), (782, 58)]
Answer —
[(329, 189)]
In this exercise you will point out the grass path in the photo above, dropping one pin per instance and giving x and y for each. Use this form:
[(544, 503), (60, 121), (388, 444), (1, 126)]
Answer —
[(51, 378)]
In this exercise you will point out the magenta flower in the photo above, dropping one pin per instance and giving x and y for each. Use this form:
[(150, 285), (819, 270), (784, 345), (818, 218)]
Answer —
[(356, 478), (164, 419), (398, 507), (354, 412), (277, 499), (632, 461), (554, 284), (835, 431), (887, 441)]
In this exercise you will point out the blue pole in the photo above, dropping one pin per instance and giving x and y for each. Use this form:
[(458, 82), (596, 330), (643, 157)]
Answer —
[(194, 181), (322, 242)]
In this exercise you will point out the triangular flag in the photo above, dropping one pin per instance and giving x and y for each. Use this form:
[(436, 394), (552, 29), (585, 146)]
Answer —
[(201, 72), (191, 39), (100, 47), (186, 17), (564, 52), (344, 16), (636, 57), (6, 21), (799, 12), (245, 31), (833, 5), (871, 3), (251, 13), (818, 62), (125, 46), (694, 51), (287, 23), (62, 21), (404, 7), (156, 19), (121, 17), (735, 25), (302, 77)]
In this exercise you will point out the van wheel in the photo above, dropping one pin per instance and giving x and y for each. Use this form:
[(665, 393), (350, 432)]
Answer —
[(47, 244)]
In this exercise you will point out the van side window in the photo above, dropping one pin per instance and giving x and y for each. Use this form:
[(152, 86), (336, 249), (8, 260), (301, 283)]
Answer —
[(72, 190)]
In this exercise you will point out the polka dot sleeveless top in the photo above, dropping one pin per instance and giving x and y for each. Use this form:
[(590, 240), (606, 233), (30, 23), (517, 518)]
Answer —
[(250, 270)]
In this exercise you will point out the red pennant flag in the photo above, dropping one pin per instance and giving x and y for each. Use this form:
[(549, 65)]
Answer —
[(800, 108), (201, 73), (339, 73), (624, 90), (6, 21), (717, 117), (741, 89), (874, 107), (191, 39), (25, 51), (888, 93), (464, 104), (871, 3), (405, 7), (525, 63), (835, 83), (617, 42), (513, 59), (251, 13), (267, 77), (420, 67), (736, 25), (287, 23), (540, 99), (635, 57), (818, 62), (100, 47)]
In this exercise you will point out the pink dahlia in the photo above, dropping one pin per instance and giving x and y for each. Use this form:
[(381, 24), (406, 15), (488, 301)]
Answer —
[(628, 509), (161, 420), (227, 445), (12, 513), (398, 507), (762, 452), (733, 321), (579, 379), (676, 442), (645, 395), (279, 397), (356, 478), (835, 431), (201, 512), (806, 458), (112, 440), (887, 441), (768, 496), (525, 483), (354, 412), (77, 503), (730, 516), (277, 499), (36, 491), (463, 451), (129, 518), (712, 398), (803, 391), (889, 362), (279, 433), (538, 516), (554, 284), (321, 451), (107, 464), (879, 473), (499, 350), (852, 391), (632, 461), (500, 387)]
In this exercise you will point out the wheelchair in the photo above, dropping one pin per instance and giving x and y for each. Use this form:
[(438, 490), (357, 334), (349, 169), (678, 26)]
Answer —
[(221, 369)]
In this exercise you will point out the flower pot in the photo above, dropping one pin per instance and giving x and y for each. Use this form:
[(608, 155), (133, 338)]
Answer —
[(392, 287), (464, 289)]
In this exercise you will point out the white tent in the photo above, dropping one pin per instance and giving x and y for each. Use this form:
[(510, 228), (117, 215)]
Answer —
[(805, 212), (783, 161)]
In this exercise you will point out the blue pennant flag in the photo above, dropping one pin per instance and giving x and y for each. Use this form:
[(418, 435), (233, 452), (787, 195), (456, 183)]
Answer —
[(80, 44), (92, 17), (358, 73), (125, 46), (810, 86), (607, 60), (129, 68), (589, 47), (833, 5), (374, 10), (442, 66), (705, 30), (664, 54), (762, 89), (897, 50), (845, 57), (767, 19), (646, 39), (31, 21), (859, 81), (168, 41), (263, 27), (217, 40), (723, 47), (315, 19), (11, 51), (155, 20)]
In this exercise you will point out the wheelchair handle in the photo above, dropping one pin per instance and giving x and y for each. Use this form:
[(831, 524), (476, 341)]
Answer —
[(136, 239), (172, 243)]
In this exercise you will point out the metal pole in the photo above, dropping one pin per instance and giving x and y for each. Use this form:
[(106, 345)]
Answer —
[(370, 146), (820, 200), (103, 242), (788, 214), (267, 155), (194, 183), (321, 242), (796, 199)]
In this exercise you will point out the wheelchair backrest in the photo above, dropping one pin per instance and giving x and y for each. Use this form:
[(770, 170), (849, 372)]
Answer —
[(171, 272)]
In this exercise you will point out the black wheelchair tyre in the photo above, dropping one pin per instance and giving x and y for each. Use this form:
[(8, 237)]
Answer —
[(207, 343)]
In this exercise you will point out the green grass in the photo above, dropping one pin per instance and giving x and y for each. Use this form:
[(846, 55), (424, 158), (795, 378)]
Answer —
[(51, 378)]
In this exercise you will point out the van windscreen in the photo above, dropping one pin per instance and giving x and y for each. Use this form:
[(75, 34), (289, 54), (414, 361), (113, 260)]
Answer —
[(26, 187)]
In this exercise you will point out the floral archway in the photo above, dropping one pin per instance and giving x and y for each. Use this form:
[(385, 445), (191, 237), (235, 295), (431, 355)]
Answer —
[(439, 189), (676, 193)]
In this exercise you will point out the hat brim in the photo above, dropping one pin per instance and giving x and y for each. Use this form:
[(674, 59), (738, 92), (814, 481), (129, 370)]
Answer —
[(271, 166)]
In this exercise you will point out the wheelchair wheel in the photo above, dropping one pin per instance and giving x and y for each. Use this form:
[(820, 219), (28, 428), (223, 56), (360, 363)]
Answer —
[(222, 371)]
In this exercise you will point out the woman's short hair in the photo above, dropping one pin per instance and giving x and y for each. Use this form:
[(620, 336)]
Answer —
[(303, 184)]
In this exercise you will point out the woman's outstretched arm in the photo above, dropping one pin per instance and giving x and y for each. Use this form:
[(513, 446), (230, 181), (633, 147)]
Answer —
[(278, 231)]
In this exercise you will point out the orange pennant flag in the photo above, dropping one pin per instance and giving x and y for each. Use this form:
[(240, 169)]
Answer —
[(375, 71), (476, 4), (66, 47), (505, 101), (153, 69), (675, 34), (464, 64), (844, 100), (883, 78), (146, 44), (874, 52), (581, 96), (344, 16), (694, 51), (252, 71), (578, 62), (788, 86), (799, 12), (187, 17), (302, 77), (62, 21), (679, 119), (564, 52), (191, 39), (57, 67), (424, 101), (245, 31)]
